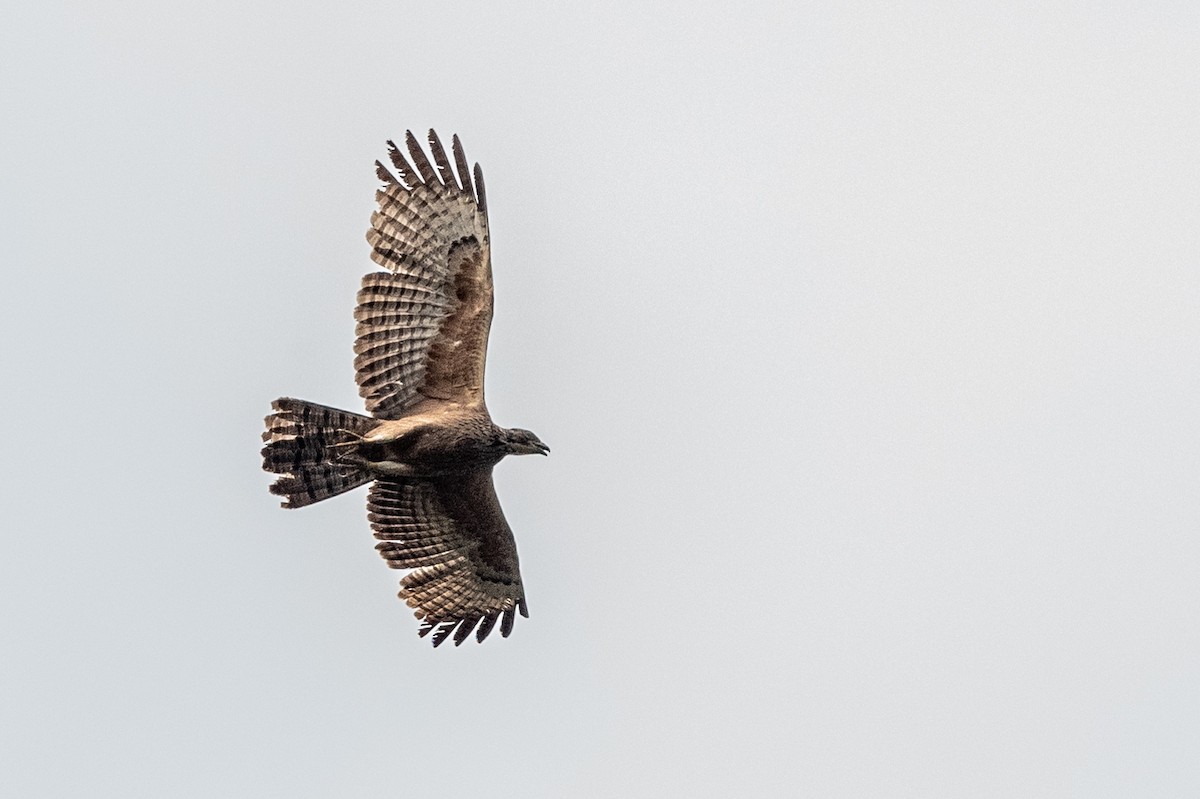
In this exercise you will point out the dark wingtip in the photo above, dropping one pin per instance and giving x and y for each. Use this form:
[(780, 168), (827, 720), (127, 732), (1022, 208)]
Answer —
[(443, 632), (445, 171), (480, 191), (383, 174), (465, 628), (460, 163), (419, 159), (407, 173), (489, 621)]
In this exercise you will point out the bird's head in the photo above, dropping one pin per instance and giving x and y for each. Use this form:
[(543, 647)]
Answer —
[(523, 442)]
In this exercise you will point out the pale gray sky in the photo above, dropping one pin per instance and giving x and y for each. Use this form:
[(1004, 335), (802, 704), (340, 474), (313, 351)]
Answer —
[(865, 337)]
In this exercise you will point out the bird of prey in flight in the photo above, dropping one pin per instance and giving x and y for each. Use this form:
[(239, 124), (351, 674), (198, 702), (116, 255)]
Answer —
[(429, 444)]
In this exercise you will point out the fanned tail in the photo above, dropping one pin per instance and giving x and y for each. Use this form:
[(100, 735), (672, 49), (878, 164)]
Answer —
[(306, 444)]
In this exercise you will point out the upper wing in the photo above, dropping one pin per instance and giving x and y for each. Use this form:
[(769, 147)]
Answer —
[(451, 531), (423, 325)]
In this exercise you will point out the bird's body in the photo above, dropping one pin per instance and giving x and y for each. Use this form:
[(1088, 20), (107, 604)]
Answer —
[(456, 439), (430, 444)]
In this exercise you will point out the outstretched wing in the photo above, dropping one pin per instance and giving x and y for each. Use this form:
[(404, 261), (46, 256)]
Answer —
[(423, 325), (451, 532)]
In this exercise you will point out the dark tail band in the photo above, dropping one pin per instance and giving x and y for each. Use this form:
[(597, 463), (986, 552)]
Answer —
[(304, 445)]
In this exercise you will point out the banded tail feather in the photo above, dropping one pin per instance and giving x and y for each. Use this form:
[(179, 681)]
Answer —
[(304, 442)]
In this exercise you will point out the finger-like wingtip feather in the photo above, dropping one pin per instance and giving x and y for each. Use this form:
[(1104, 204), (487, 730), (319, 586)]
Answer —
[(489, 621), (464, 171), (443, 632), (383, 174), (481, 192), (407, 173), (443, 163), (419, 159), (506, 624), (465, 628)]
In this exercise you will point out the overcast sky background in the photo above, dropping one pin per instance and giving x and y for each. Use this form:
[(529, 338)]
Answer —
[(865, 337)]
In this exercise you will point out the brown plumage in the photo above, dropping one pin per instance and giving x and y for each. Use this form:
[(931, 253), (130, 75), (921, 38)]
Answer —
[(429, 444)]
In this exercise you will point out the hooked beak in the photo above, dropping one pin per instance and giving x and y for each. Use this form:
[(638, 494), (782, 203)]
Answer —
[(531, 448)]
